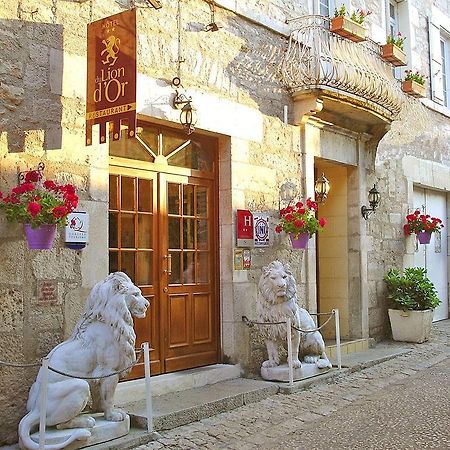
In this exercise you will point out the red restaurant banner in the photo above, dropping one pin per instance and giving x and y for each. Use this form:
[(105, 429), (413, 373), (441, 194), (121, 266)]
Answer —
[(111, 75)]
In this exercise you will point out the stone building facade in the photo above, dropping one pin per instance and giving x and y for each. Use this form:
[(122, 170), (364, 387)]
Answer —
[(235, 78)]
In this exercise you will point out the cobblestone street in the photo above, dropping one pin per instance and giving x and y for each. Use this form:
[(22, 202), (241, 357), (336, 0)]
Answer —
[(403, 403)]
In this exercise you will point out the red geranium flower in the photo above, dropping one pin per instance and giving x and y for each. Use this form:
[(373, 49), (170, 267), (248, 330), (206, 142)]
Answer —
[(417, 222), (36, 204), (32, 176), (34, 208), (59, 211), (301, 219)]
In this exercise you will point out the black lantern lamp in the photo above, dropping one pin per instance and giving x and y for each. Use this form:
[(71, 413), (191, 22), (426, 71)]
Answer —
[(321, 188), (374, 201), (188, 115)]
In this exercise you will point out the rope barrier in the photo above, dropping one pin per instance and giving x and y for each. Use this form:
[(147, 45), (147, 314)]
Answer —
[(12, 364), (251, 323), (314, 329), (98, 377)]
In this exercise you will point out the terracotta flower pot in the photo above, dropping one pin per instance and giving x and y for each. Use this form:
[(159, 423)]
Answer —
[(393, 54), (40, 238), (413, 88), (347, 28), (301, 241)]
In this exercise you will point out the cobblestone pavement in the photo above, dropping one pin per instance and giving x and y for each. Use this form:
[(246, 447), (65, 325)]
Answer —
[(403, 403)]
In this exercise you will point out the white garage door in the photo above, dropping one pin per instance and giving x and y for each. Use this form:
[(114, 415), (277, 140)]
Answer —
[(434, 255)]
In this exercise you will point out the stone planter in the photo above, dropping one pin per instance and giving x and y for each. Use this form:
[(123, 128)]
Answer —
[(411, 326), (348, 29), (413, 88), (393, 54)]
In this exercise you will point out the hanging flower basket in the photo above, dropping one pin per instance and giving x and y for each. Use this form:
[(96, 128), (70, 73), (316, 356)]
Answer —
[(300, 222), (424, 237), (300, 242), (40, 205), (422, 225), (393, 54), (40, 238), (413, 88), (347, 28)]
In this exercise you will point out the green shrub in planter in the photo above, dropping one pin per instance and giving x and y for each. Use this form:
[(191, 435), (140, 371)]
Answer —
[(414, 297), (411, 290)]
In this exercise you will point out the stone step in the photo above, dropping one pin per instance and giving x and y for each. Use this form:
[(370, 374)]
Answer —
[(179, 408), (176, 381), (347, 347)]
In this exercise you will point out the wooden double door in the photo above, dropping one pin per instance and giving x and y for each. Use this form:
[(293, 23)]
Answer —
[(162, 233)]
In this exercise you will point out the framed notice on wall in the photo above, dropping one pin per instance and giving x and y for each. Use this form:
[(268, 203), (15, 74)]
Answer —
[(111, 75)]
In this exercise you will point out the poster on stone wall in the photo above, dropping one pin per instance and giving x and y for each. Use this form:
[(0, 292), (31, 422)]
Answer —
[(111, 75)]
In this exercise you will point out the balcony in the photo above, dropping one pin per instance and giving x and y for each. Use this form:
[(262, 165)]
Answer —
[(339, 81)]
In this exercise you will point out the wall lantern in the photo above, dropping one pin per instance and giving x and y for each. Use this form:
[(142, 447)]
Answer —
[(374, 201), (213, 25), (321, 188), (288, 191), (188, 115)]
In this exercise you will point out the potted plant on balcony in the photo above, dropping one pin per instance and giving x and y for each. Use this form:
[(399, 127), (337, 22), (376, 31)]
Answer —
[(349, 27), (414, 83), (40, 206), (414, 298), (393, 52), (300, 222), (422, 225)]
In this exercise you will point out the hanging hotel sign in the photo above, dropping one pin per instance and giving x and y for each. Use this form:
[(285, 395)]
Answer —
[(111, 75), (244, 228)]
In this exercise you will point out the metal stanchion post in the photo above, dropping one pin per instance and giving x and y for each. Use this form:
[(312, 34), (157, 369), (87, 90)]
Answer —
[(148, 387), (338, 339), (43, 403), (289, 346)]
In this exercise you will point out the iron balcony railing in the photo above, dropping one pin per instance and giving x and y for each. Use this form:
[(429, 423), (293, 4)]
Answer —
[(319, 59)]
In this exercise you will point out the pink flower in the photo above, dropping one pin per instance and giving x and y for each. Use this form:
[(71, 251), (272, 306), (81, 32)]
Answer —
[(278, 229), (299, 223), (34, 209)]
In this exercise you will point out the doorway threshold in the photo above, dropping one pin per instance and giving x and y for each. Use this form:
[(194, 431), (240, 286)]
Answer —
[(134, 390)]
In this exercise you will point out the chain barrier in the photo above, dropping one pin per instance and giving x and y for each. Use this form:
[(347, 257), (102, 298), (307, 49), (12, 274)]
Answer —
[(36, 364), (251, 323)]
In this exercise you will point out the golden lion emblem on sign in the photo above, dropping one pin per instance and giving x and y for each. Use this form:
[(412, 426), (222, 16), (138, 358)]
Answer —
[(111, 49)]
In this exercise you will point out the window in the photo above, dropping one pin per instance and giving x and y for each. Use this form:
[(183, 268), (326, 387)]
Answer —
[(392, 18), (445, 61), (326, 7)]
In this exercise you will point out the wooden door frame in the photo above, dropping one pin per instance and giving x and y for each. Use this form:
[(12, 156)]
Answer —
[(137, 166)]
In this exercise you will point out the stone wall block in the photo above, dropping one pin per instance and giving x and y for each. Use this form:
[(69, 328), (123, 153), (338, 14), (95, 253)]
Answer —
[(12, 256), (39, 54), (11, 313), (57, 263), (35, 77)]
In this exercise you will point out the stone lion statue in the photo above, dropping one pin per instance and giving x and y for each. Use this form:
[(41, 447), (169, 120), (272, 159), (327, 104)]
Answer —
[(276, 301), (102, 342)]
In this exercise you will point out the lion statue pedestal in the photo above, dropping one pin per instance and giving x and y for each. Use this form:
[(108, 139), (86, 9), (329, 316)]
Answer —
[(103, 431), (102, 343), (276, 302)]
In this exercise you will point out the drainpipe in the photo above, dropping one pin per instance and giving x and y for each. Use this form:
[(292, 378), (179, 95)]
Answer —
[(430, 60)]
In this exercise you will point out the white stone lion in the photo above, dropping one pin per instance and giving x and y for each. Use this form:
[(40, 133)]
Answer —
[(276, 301), (101, 343)]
